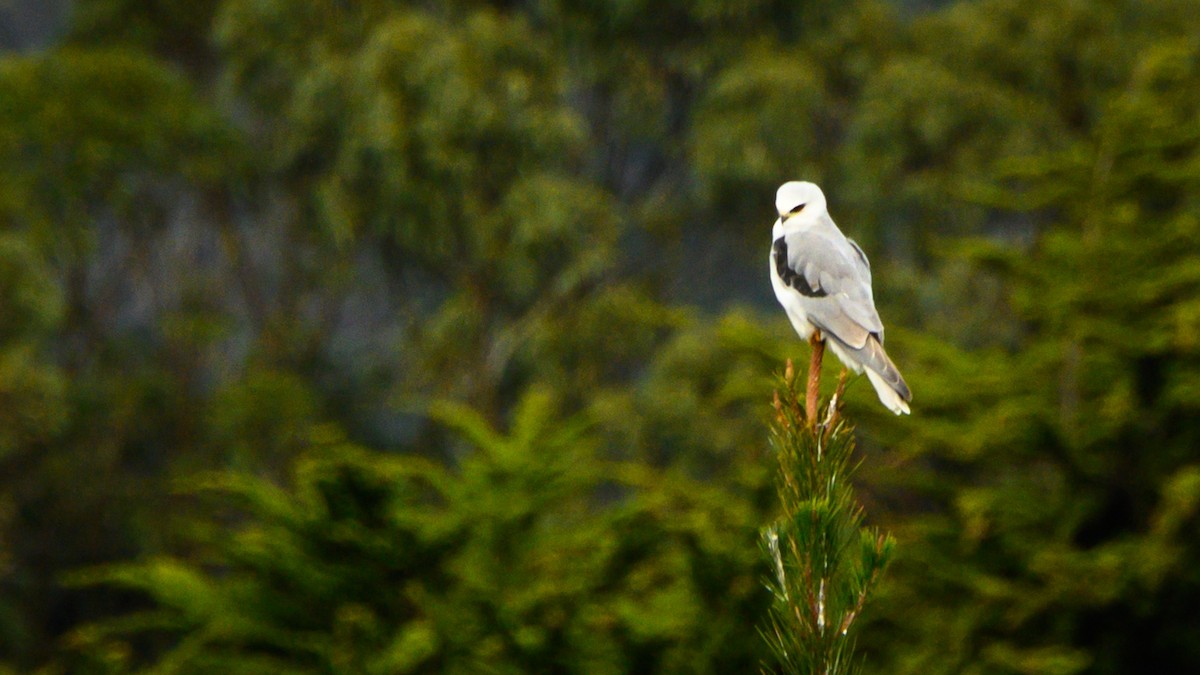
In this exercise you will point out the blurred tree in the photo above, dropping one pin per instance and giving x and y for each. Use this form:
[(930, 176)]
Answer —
[(532, 554), (175, 31), (1071, 438), (32, 411), (94, 147), (255, 237)]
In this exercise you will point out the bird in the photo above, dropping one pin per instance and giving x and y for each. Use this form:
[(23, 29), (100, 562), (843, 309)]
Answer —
[(823, 281)]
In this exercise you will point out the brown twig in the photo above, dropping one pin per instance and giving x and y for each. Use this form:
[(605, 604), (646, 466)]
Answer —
[(841, 388), (814, 378), (835, 403)]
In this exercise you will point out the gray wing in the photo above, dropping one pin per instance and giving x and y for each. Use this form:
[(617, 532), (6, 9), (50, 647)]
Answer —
[(834, 279), (861, 258), (865, 267)]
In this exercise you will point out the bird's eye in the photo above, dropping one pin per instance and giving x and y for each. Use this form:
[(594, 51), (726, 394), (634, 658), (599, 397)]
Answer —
[(798, 209)]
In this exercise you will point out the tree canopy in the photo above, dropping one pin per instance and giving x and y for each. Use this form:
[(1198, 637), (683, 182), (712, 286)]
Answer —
[(437, 337)]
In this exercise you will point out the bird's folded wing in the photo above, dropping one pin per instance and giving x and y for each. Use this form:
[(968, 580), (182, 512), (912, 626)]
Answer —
[(825, 269)]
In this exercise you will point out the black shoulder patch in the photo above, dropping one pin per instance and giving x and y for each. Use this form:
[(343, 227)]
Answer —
[(789, 276)]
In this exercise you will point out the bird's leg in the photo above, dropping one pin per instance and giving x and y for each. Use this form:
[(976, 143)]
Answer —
[(814, 377)]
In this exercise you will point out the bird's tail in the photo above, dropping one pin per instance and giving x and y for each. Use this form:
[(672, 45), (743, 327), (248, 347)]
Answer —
[(895, 401), (889, 384)]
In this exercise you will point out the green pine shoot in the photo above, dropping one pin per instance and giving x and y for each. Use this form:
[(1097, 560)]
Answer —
[(824, 561)]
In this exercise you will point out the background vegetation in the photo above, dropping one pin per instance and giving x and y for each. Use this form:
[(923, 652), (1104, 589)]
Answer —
[(382, 336)]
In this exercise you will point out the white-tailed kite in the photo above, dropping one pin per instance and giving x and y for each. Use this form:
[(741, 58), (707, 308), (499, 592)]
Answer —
[(823, 281)]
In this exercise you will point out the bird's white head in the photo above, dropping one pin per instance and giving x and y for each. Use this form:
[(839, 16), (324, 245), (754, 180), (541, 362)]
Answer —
[(799, 198)]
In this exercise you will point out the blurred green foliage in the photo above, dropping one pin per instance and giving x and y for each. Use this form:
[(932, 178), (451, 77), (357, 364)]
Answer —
[(518, 559), (419, 337)]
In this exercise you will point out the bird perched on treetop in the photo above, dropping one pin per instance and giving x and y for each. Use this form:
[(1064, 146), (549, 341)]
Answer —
[(823, 281)]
